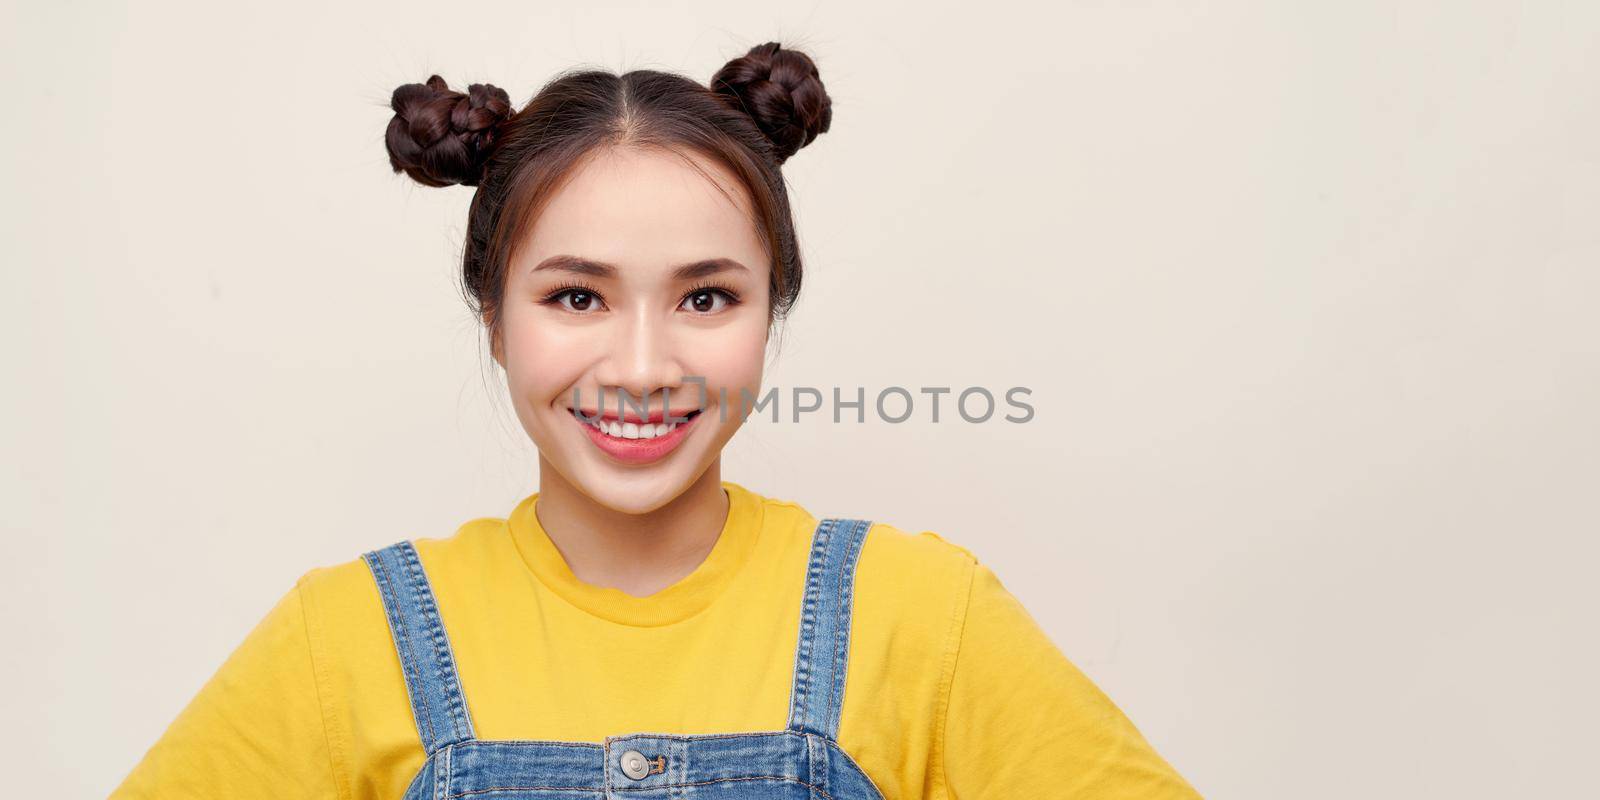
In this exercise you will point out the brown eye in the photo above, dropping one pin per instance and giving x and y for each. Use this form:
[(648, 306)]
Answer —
[(579, 301), (708, 301), (574, 299)]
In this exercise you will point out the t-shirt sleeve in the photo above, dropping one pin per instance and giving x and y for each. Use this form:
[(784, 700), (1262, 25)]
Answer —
[(254, 729), (1023, 721)]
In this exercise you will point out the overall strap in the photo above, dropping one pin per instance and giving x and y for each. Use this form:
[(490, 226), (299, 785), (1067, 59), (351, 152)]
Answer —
[(823, 650), (437, 701)]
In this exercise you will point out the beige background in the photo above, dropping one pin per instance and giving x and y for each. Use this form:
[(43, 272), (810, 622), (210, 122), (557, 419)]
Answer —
[(1304, 291)]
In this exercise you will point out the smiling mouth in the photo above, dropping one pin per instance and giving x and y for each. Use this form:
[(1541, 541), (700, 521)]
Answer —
[(636, 444), (621, 430)]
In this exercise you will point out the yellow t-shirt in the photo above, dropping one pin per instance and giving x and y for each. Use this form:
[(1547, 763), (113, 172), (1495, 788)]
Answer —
[(952, 689)]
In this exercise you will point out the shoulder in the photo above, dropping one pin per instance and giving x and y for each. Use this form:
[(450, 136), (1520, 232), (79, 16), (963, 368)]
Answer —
[(917, 573), (352, 649), (911, 596), (906, 566), (474, 539), (909, 565), (341, 600), (919, 549)]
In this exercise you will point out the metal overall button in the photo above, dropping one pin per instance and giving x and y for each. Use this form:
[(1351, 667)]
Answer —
[(634, 765)]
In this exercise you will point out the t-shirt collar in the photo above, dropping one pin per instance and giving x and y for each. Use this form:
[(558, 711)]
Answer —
[(681, 600)]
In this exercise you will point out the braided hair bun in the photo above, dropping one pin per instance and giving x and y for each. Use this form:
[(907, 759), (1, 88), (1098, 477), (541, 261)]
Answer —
[(442, 137), (781, 91)]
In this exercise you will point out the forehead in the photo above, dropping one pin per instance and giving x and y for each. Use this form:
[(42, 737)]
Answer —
[(647, 209)]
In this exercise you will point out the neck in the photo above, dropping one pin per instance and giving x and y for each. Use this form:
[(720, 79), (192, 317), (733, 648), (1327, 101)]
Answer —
[(640, 554)]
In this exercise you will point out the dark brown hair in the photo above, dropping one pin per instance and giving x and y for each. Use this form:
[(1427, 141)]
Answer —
[(758, 110)]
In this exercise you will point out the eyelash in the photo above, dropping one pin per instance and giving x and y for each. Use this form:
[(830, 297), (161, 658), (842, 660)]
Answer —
[(730, 296), (554, 297)]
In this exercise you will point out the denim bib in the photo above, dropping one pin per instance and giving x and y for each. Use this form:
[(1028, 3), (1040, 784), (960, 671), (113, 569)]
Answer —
[(801, 762)]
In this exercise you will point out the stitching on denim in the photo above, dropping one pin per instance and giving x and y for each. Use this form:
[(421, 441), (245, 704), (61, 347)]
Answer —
[(441, 776), (831, 746), (415, 692), (798, 694), (814, 575), (841, 633), (626, 737), (814, 765), (838, 620), (694, 736), (530, 742), (392, 605), (470, 792), (443, 658), (783, 778), (439, 760)]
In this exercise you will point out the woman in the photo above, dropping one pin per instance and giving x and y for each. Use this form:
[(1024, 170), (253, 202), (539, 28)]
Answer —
[(639, 625)]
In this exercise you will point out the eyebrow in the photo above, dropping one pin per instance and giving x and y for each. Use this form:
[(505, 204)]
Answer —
[(600, 269)]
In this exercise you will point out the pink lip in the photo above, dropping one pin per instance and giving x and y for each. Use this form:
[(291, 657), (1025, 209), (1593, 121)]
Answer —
[(637, 451)]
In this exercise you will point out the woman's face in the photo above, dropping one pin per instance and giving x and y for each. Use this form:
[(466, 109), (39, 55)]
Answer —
[(637, 278)]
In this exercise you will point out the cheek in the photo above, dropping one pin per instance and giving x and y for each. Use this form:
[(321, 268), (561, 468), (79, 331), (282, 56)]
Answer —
[(541, 361), (733, 361)]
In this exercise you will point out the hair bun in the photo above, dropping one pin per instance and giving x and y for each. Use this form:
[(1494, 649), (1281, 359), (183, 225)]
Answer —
[(781, 90), (442, 137)]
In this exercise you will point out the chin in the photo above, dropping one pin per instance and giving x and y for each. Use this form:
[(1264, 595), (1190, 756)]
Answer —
[(633, 491)]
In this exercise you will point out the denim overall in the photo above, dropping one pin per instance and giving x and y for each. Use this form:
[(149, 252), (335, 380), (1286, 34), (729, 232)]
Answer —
[(801, 762)]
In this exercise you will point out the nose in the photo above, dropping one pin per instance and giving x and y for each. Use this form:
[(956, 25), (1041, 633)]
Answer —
[(641, 360)]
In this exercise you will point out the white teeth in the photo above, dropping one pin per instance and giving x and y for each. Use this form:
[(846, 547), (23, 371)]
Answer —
[(631, 430)]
